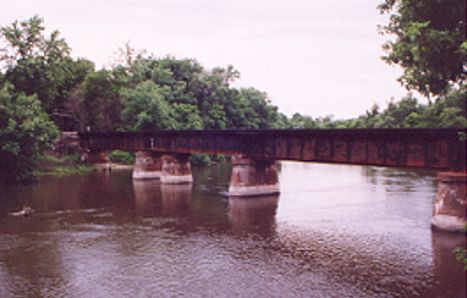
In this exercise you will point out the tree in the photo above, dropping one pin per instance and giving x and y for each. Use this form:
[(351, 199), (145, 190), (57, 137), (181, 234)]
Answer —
[(226, 76), (25, 131), (430, 43), (36, 64), (100, 105), (145, 108), (186, 116), (300, 121), (216, 117)]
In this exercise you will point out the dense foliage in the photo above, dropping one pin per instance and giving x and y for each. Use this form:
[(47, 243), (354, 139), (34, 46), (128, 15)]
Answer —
[(429, 42), (168, 93), (25, 131)]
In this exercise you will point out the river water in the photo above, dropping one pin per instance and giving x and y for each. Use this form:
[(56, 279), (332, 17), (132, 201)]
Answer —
[(334, 231)]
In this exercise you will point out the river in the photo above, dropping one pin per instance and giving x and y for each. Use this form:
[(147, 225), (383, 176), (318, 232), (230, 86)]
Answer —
[(334, 231)]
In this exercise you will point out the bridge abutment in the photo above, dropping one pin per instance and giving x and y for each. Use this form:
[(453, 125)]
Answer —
[(253, 177), (176, 169), (148, 165), (449, 211)]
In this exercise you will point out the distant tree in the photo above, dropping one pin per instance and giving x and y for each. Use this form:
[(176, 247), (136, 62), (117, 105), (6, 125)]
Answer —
[(25, 131), (300, 121), (429, 43)]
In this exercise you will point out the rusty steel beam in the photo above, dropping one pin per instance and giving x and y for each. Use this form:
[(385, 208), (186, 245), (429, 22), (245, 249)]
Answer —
[(421, 148)]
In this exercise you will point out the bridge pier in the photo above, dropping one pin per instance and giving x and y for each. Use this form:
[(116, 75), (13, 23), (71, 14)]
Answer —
[(253, 177), (449, 211), (176, 169), (148, 165)]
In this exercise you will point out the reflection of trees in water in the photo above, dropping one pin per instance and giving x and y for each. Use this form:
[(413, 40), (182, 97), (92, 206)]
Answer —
[(214, 178), (399, 179), (254, 214), (155, 199), (98, 189)]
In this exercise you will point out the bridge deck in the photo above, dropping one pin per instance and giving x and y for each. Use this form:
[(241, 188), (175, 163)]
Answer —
[(422, 148)]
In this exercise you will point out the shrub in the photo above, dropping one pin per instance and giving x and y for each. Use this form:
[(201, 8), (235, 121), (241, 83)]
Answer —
[(200, 159), (25, 132), (123, 157)]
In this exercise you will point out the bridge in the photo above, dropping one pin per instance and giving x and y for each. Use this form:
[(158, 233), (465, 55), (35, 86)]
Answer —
[(165, 155)]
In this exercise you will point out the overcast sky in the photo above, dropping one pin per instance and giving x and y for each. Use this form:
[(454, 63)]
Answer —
[(315, 57)]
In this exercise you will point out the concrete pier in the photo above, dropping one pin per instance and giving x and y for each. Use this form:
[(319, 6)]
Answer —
[(176, 169), (253, 177), (148, 165), (449, 211)]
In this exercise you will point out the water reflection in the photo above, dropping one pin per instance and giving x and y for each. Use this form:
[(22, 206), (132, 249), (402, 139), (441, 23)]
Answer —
[(446, 267), (257, 214), (155, 199), (176, 199), (398, 179)]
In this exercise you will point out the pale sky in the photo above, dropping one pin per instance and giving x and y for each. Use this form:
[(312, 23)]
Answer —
[(315, 57)]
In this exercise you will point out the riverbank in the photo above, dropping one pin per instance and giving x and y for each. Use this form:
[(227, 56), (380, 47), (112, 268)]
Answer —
[(56, 165)]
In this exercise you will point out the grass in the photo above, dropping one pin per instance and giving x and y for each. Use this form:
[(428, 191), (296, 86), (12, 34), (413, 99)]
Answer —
[(70, 170), (54, 160), (61, 166), (50, 159), (62, 171)]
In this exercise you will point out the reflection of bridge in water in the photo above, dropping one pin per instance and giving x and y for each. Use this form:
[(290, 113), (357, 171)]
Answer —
[(156, 199), (153, 198), (164, 155)]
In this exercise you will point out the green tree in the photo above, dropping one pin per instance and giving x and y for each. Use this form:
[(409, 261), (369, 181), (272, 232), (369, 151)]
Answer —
[(145, 108), (36, 64), (429, 43), (186, 116), (25, 131), (300, 121), (100, 105), (216, 117)]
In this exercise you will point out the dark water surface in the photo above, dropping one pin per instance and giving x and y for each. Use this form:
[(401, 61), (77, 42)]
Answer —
[(334, 231)]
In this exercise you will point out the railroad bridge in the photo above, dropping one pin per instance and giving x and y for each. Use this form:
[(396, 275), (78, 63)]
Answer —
[(165, 155)]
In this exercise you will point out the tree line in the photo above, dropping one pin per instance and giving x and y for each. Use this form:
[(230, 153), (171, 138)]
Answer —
[(40, 82)]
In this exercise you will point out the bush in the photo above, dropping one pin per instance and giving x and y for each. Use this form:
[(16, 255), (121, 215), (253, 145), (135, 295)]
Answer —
[(123, 157), (25, 132), (200, 159)]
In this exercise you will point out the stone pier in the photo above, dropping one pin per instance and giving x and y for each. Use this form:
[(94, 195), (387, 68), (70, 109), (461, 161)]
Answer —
[(176, 169), (449, 212), (253, 177), (148, 165)]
